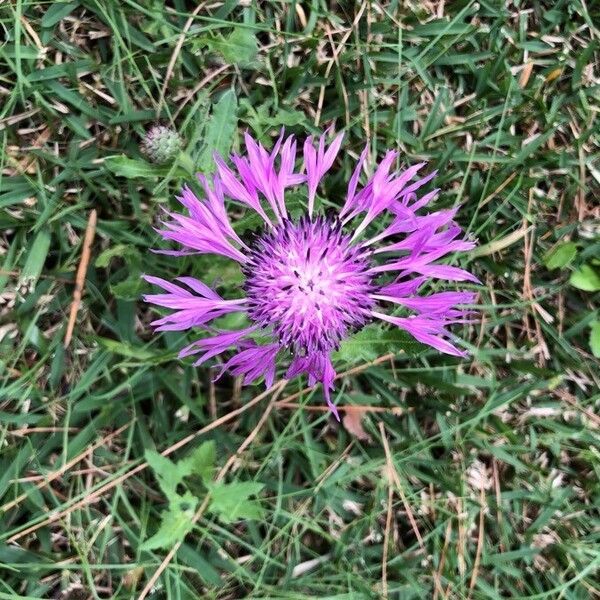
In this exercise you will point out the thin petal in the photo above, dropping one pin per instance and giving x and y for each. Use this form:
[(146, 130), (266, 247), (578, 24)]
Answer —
[(252, 363), (429, 332), (317, 163)]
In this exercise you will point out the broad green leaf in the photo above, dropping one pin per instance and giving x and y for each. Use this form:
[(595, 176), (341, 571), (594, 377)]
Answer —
[(585, 278), (560, 256), (129, 288), (201, 461), (398, 340), (220, 131), (265, 115), (373, 341), (364, 345), (170, 474), (132, 168), (286, 117), (176, 523), (239, 47), (595, 338), (230, 501), (166, 473)]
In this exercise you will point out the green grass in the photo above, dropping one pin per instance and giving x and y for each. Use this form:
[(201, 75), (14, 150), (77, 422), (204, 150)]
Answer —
[(493, 462)]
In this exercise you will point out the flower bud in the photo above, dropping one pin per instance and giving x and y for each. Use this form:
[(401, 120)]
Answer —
[(161, 144)]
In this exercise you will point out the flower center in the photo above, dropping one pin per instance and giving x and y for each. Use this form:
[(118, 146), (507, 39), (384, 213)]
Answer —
[(308, 283)]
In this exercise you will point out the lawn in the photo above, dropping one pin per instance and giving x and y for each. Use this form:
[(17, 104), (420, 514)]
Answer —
[(128, 473)]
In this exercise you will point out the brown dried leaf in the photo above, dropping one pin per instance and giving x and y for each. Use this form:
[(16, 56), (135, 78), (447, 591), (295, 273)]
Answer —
[(353, 423), (525, 74), (554, 74), (132, 578)]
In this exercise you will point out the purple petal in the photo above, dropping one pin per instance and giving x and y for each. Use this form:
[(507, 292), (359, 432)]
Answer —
[(317, 163), (317, 366), (253, 363), (426, 331)]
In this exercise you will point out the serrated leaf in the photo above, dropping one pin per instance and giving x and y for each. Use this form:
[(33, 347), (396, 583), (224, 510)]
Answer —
[(595, 338), (177, 520), (230, 501), (585, 278), (560, 256), (373, 341), (166, 473), (398, 340), (286, 117), (176, 523), (170, 474), (364, 345), (264, 115), (200, 461), (129, 288), (239, 47), (219, 131)]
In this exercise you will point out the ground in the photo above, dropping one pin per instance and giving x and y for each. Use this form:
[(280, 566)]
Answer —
[(448, 478)]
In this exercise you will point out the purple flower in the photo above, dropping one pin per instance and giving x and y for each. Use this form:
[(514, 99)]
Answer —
[(311, 282)]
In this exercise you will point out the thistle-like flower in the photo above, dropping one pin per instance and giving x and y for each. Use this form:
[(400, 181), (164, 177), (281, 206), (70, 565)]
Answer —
[(309, 283), (161, 144)]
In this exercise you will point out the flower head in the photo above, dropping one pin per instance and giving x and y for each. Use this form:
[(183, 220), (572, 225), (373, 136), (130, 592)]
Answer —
[(310, 282), (161, 144)]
